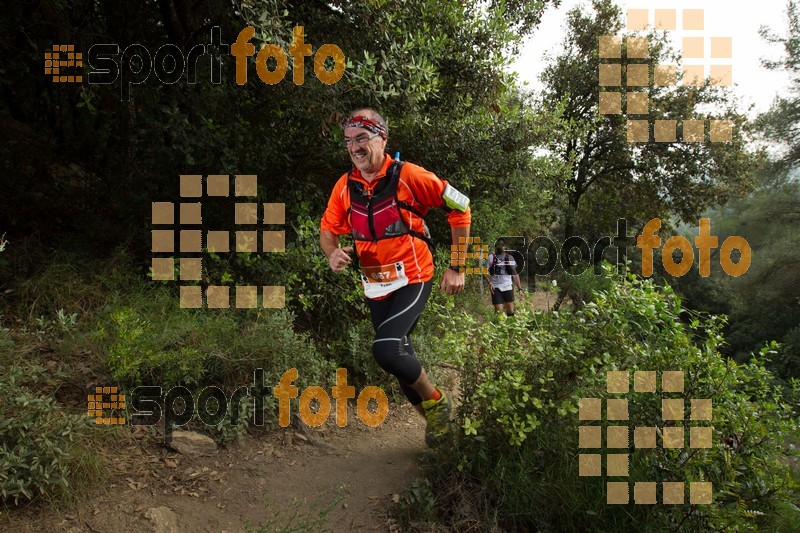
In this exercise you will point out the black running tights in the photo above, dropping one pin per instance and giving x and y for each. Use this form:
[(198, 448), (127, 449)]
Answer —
[(394, 319)]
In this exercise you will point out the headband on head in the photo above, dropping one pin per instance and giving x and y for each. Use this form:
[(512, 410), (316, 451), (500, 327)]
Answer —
[(360, 121)]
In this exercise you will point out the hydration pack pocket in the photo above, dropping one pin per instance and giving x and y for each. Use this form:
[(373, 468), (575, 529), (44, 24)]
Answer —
[(386, 220)]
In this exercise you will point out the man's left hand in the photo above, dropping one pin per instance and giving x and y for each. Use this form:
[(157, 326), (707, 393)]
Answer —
[(452, 282)]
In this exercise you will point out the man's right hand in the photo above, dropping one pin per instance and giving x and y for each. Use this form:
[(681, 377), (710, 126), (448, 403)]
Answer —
[(340, 258)]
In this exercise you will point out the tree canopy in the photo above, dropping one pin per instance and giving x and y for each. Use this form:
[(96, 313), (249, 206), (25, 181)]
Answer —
[(781, 124), (607, 177), (94, 162)]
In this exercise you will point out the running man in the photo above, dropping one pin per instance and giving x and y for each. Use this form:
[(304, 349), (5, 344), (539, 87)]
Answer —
[(502, 278), (382, 202)]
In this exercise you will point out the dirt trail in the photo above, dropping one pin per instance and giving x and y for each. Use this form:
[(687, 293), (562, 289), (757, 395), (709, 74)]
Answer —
[(356, 472)]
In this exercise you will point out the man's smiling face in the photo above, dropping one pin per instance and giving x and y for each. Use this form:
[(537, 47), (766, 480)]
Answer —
[(368, 158)]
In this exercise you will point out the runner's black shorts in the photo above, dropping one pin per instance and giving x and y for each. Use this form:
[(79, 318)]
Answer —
[(499, 297)]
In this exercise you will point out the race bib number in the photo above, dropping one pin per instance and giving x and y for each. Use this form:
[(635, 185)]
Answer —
[(384, 279)]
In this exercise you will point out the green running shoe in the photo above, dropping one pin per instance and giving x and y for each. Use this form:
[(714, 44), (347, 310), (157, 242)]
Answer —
[(437, 414)]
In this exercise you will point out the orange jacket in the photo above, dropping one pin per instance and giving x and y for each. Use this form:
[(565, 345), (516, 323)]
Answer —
[(391, 263)]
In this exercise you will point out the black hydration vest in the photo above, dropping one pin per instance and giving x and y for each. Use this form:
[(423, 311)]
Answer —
[(376, 217), (497, 270)]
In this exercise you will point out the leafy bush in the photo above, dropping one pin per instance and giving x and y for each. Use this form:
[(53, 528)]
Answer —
[(41, 446), (45, 281), (136, 356), (787, 362), (324, 303), (514, 465), (585, 281), (151, 341)]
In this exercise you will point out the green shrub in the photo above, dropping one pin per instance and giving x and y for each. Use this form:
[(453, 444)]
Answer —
[(152, 341), (66, 281), (585, 281), (787, 361), (139, 355), (42, 448), (515, 461), (226, 430), (324, 303)]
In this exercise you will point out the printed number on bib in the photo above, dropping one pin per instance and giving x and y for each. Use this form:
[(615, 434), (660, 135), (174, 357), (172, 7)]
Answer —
[(383, 279)]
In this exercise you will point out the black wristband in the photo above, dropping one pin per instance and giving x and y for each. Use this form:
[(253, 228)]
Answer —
[(455, 268)]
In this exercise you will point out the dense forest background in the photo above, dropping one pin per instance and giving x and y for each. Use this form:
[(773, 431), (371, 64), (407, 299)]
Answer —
[(81, 166)]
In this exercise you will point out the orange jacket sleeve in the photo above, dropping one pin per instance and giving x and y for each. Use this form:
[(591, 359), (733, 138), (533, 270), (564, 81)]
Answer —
[(428, 189), (335, 218)]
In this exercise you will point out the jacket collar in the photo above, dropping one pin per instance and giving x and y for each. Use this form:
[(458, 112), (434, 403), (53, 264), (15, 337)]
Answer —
[(356, 173)]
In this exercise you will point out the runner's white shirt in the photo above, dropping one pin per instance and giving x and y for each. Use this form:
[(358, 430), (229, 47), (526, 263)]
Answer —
[(502, 280)]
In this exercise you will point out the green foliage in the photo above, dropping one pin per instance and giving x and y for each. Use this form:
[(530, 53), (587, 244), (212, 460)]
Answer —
[(605, 177), (153, 341), (55, 291), (227, 431), (298, 518), (787, 361), (41, 446), (764, 303), (418, 504), (325, 303), (782, 122), (766, 300), (585, 280), (516, 459), (134, 356), (6, 342)]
